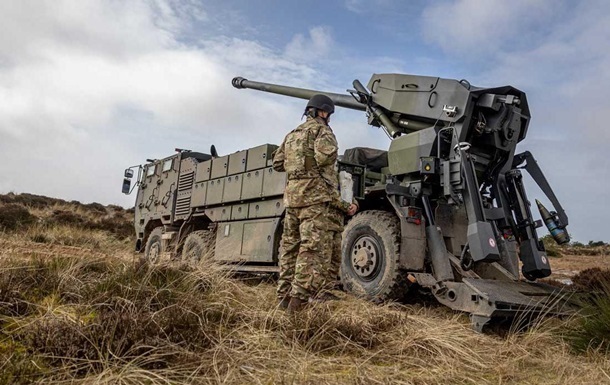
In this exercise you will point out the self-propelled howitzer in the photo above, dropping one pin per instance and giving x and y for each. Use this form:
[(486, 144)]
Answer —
[(448, 210)]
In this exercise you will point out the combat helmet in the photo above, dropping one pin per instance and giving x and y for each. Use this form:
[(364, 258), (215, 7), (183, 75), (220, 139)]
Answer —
[(321, 102)]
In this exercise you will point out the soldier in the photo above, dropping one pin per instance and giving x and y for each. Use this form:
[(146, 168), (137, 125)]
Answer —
[(308, 155)]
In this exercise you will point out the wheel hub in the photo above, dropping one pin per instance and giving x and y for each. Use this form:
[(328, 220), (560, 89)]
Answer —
[(154, 253), (365, 256)]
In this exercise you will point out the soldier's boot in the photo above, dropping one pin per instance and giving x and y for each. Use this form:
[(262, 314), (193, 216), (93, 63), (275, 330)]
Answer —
[(324, 296), (284, 301), (296, 304)]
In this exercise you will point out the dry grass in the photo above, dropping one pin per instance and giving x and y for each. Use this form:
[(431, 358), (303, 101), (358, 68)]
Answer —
[(106, 320), (570, 265), (77, 308)]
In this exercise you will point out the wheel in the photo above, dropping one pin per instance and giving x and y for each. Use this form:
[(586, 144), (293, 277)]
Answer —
[(154, 246), (199, 246), (370, 251)]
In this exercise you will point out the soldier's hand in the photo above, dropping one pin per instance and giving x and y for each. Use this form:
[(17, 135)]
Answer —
[(351, 210)]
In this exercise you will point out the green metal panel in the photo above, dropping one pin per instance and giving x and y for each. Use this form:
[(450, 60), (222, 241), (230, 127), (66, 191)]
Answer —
[(252, 185), (237, 162), (268, 208), (421, 96), (258, 156), (215, 191), (219, 167), (274, 183), (232, 189), (225, 213), (405, 152), (239, 212), (246, 241), (199, 193), (203, 171), (214, 214), (229, 238), (259, 240)]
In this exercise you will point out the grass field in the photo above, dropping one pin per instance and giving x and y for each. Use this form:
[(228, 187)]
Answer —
[(77, 307)]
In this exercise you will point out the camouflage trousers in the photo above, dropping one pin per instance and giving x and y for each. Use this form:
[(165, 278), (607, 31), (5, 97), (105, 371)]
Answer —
[(308, 243), (334, 258)]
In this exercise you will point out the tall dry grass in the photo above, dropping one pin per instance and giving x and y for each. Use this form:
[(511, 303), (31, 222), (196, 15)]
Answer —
[(110, 321), (76, 307)]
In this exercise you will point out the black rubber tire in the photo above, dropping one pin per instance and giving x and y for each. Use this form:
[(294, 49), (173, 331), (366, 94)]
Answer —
[(154, 246), (386, 282), (199, 246)]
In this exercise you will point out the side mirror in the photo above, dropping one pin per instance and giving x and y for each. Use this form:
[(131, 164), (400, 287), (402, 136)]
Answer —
[(128, 173), (126, 186)]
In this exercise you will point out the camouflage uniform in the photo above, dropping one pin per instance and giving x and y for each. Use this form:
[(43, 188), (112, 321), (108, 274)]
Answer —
[(308, 155), (334, 258)]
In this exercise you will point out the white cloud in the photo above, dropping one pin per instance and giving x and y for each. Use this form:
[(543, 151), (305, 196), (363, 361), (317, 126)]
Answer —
[(93, 87), (473, 27), (364, 6), (89, 88), (316, 45)]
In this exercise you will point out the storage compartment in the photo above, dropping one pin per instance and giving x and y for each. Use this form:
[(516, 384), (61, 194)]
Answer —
[(214, 214), (252, 185), (246, 241), (274, 183), (270, 208), (215, 191), (239, 212), (259, 240), (258, 156), (199, 193), (228, 242), (237, 162), (225, 213), (203, 171), (232, 189), (219, 167)]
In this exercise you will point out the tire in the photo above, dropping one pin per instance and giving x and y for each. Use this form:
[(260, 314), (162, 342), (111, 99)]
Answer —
[(199, 246), (370, 257), (154, 246)]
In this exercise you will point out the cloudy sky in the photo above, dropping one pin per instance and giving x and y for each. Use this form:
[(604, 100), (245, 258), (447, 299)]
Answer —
[(89, 87)]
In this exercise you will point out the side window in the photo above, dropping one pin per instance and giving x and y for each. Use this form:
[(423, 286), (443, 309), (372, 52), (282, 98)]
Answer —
[(167, 165)]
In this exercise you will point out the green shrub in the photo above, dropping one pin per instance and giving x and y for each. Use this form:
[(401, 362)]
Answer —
[(592, 333), (596, 243)]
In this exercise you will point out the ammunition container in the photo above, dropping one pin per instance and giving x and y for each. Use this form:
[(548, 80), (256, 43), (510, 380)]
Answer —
[(215, 191), (203, 171), (258, 156), (237, 162), (219, 167), (232, 188), (274, 182), (252, 185)]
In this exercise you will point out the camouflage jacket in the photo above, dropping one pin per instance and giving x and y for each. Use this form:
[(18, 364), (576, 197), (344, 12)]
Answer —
[(308, 155)]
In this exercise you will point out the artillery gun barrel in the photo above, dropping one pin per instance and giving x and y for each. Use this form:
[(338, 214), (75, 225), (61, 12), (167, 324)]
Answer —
[(346, 101)]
